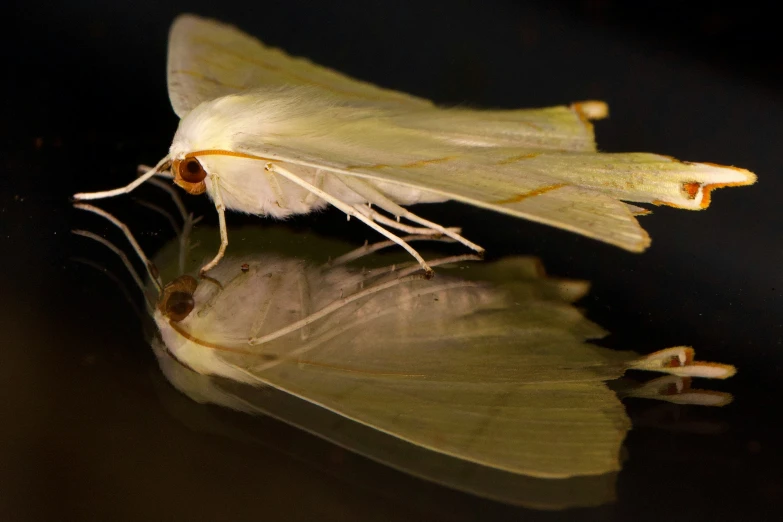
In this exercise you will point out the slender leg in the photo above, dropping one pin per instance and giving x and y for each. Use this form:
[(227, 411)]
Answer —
[(163, 212), (127, 188), (276, 188), (319, 183), (405, 269), (410, 216), (326, 310), (188, 220), (383, 220), (221, 210), (403, 272), (349, 211), (368, 249), (152, 271), (375, 197), (162, 173), (174, 196), (266, 306), (122, 256), (340, 303), (122, 286), (184, 240)]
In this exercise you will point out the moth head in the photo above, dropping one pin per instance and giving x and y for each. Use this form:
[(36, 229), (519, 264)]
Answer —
[(189, 174), (176, 301)]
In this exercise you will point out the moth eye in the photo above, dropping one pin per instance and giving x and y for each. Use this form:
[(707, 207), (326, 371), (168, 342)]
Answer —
[(177, 301), (191, 170), (179, 305)]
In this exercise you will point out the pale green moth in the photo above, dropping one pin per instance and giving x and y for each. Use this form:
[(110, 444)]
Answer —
[(488, 364), (268, 134)]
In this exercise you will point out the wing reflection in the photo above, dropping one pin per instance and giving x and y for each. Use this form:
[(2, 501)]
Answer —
[(479, 379)]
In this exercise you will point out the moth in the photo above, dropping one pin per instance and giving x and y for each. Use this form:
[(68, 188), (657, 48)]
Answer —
[(487, 368), (268, 134)]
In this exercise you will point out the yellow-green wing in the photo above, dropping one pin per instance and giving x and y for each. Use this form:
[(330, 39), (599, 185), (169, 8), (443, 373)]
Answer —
[(553, 430), (209, 59), (502, 378), (582, 192), (563, 128)]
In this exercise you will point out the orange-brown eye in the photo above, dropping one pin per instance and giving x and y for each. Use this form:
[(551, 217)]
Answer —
[(179, 305), (191, 170), (177, 301)]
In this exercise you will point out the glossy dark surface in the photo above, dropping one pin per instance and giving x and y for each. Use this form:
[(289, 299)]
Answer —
[(87, 427)]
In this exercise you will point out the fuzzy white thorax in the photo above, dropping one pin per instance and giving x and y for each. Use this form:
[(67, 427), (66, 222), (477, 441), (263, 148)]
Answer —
[(288, 117)]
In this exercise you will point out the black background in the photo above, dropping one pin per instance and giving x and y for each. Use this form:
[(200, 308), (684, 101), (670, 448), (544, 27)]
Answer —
[(84, 100)]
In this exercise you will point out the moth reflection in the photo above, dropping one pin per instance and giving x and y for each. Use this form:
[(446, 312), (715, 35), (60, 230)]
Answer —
[(480, 379)]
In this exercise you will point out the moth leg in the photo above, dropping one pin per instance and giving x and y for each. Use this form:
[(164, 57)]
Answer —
[(127, 188), (167, 187), (276, 189), (341, 303), (410, 216), (163, 212), (350, 211), (328, 309), (319, 183), (188, 219), (375, 197), (368, 249), (208, 301), (149, 301), (266, 305), (220, 290), (164, 172), (152, 271), (184, 239), (380, 218), (221, 210)]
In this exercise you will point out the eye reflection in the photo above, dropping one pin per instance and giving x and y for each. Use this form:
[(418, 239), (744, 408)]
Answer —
[(179, 305), (177, 301)]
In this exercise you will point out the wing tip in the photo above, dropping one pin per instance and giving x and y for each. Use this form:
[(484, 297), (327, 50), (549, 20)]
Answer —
[(591, 109), (743, 178), (677, 389), (680, 360), (697, 194), (186, 18), (644, 242)]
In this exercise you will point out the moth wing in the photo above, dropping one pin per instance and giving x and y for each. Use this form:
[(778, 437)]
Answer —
[(208, 59), (561, 128), (638, 177), (516, 427), (509, 488), (450, 367), (579, 192), (582, 192)]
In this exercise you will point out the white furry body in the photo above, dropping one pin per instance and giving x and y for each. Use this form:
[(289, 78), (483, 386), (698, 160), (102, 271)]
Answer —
[(284, 117)]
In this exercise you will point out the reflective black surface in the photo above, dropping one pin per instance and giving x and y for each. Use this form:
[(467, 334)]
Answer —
[(92, 431)]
